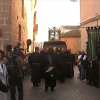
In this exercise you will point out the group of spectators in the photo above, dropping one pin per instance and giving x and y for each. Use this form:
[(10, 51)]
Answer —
[(83, 65), (89, 70), (6, 80)]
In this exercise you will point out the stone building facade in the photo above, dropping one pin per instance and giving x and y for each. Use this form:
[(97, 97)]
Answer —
[(90, 15), (72, 36), (17, 22)]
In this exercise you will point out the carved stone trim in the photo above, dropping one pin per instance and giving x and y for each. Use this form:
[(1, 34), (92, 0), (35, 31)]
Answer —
[(90, 20)]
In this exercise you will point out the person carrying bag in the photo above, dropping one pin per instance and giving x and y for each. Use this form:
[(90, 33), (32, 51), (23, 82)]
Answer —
[(3, 87)]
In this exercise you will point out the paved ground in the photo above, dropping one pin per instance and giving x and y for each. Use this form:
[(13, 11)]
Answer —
[(72, 89)]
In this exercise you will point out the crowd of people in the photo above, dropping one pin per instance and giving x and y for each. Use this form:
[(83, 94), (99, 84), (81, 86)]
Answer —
[(12, 70), (42, 63), (39, 64), (88, 70), (52, 65)]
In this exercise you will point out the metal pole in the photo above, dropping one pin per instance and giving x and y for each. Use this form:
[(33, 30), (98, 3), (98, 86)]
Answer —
[(97, 31)]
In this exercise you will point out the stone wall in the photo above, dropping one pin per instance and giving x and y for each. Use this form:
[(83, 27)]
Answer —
[(73, 43), (88, 18), (16, 20), (84, 35), (5, 12), (89, 9), (10, 19)]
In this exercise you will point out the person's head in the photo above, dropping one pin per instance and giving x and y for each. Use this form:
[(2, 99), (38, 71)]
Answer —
[(79, 53), (50, 51), (63, 50), (1, 54), (58, 50), (83, 51), (46, 50), (41, 51), (69, 50), (54, 49), (37, 49), (8, 49)]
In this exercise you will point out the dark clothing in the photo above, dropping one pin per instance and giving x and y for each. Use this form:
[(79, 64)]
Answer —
[(19, 62), (43, 66), (91, 75), (35, 57), (98, 55), (61, 65), (82, 58), (35, 61), (12, 85), (46, 58), (70, 63), (87, 72), (36, 78), (86, 63), (13, 82), (3, 87), (49, 81)]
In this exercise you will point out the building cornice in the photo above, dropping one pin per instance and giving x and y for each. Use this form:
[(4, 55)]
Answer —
[(90, 20), (72, 33)]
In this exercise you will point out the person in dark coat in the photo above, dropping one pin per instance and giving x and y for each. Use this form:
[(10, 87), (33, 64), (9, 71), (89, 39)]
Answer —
[(61, 64), (43, 64), (50, 60), (69, 63), (35, 61)]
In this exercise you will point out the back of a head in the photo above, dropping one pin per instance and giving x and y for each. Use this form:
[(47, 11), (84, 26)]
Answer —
[(58, 51), (36, 48), (68, 52), (2, 53), (50, 51), (8, 48), (18, 52)]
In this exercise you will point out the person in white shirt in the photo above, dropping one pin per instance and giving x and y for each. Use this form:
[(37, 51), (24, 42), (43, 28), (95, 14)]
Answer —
[(3, 70)]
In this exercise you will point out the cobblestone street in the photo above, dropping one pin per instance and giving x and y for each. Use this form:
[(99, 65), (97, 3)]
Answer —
[(72, 89)]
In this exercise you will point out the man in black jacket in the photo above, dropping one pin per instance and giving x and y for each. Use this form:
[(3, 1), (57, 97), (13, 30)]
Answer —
[(50, 60)]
